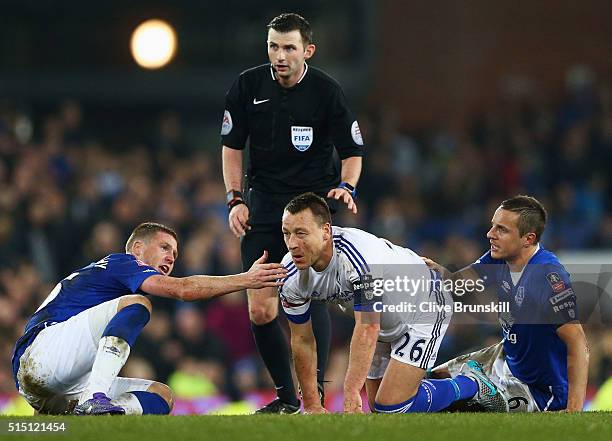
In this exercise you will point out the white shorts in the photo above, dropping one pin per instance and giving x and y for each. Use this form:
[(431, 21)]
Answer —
[(417, 347), (55, 368), (495, 367)]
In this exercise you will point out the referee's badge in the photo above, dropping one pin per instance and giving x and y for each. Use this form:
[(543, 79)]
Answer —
[(301, 137), (227, 125), (356, 133)]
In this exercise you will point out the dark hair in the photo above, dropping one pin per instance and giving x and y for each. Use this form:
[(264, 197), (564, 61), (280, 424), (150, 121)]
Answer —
[(145, 230), (532, 214), (316, 204), (288, 22)]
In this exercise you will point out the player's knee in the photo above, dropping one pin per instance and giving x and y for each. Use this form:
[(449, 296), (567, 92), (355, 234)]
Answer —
[(133, 300), (260, 314), (164, 392)]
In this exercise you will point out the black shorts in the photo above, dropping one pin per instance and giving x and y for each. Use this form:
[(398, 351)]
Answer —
[(265, 214)]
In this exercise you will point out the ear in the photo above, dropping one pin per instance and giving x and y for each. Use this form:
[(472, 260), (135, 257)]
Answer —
[(530, 239), (327, 231), (309, 51), (138, 248)]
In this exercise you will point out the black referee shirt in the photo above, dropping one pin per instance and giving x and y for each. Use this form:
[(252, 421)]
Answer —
[(292, 131)]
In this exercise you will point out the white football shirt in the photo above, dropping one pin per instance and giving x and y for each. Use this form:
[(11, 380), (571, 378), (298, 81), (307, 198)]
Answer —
[(358, 256)]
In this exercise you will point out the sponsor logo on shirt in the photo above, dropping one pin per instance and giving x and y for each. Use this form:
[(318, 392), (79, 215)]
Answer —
[(301, 137), (506, 286), (561, 296), (555, 282)]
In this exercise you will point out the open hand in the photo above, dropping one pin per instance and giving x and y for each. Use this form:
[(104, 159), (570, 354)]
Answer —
[(340, 194), (263, 275)]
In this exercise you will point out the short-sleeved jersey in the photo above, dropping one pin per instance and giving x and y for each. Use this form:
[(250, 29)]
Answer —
[(292, 131), (540, 302), (358, 258), (114, 276)]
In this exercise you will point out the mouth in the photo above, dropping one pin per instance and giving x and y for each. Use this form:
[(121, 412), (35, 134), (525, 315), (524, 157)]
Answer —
[(494, 247), (281, 67), (165, 269), (297, 258)]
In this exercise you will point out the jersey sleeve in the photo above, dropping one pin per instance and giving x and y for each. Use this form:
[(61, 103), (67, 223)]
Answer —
[(364, 294), (486, 268), (558, 300), (295, 304), (234, 128), (130, 272), (345, 130)]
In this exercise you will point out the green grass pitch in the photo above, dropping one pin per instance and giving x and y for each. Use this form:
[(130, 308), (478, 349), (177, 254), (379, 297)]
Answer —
[(413, 427)]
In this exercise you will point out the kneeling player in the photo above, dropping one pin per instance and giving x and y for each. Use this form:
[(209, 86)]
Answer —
[(542, 362), (80, 337), (392, 347)]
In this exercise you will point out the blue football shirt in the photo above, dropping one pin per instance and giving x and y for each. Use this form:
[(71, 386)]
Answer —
[(114, 276), (540, 302)]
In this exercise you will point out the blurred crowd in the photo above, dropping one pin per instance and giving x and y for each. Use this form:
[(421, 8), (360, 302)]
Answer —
[(68, 197)]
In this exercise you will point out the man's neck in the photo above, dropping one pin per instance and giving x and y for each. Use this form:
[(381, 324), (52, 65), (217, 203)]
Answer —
[(517, 264), (292, 80), (326, 256)]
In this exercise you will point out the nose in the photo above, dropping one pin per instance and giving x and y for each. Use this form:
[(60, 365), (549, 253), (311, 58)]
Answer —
[(490, 234), (291, 243)]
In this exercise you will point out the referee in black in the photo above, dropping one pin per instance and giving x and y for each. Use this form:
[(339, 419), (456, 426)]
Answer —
[(295, 118)]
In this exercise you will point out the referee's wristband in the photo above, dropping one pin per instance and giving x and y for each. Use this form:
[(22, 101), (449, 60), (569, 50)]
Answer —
[(348, 187), (235, 202)]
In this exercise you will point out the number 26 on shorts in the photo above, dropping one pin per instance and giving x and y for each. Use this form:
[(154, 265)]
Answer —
[(416, 351)]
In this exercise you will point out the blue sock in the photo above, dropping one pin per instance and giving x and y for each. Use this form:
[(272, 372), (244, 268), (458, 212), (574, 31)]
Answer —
[(128, 323), (467, 387), (433, 396), (152, 404)]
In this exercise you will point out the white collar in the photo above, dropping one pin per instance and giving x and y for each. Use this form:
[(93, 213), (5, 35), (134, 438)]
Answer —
[(298, 81)]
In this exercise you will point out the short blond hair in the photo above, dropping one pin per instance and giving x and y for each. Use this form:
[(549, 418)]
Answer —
[(145, 230)]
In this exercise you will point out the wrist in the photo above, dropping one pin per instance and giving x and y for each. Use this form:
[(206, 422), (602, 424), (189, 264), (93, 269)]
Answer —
[(233, 198), (350, 389), (235, 203), (348, 187), (242, 281), (311, 401)]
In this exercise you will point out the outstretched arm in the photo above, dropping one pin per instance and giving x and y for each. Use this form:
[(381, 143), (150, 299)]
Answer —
[(200, 287), (467, 273)]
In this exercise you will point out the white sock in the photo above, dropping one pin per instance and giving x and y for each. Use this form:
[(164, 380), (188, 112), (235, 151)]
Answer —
[(110, 358), (129, 402)]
